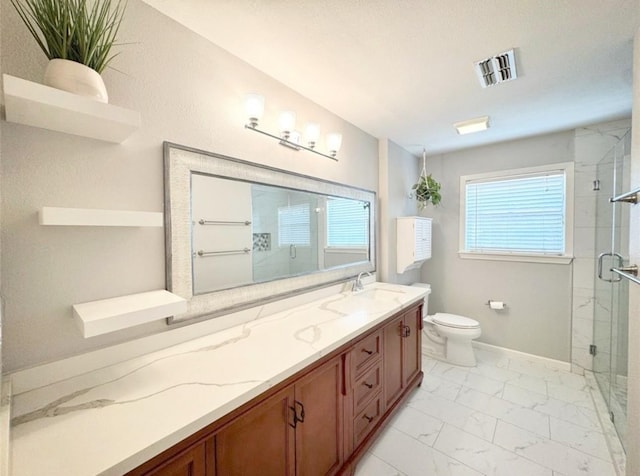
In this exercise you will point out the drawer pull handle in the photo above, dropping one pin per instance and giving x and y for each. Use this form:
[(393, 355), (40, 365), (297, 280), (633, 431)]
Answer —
[(368, 418), (405, 331), (368, 385), (368, 352)]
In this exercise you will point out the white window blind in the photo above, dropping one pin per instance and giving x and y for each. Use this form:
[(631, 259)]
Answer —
[(524, 214), (294, 225), (347, 223)]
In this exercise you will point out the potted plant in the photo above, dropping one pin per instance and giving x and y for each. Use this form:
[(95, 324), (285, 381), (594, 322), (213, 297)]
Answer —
[(77, 38), (427, 190)]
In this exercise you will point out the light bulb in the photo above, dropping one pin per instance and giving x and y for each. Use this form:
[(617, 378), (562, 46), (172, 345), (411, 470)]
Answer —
[(254, 105), (334, 141), (287, 122), (311, 134)]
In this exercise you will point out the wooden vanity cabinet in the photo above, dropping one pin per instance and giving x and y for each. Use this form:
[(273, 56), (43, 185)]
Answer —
[(299, 431), (191, 457), (261, 441), (318, 422), (402, 353), (190, 462)]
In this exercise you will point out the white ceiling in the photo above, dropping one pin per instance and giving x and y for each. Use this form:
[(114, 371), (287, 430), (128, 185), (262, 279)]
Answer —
[(403, 69)]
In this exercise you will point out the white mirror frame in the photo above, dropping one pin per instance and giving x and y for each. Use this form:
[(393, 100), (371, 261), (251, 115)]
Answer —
[(179, 162)]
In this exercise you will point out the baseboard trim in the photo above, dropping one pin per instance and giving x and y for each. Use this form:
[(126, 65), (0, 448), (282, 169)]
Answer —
[(547, 362)]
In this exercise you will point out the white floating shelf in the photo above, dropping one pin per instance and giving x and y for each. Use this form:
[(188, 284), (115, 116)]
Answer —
[(109, 315), (95, 217), (37, 105)]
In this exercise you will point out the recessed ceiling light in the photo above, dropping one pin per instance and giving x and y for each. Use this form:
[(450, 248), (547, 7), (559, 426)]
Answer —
[(472, 125)]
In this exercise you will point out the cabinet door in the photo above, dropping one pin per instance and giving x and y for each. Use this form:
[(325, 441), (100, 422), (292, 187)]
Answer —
[(261, 442), (411, 345), (319, 446), (422, 239), (392, 356), (190, 462)]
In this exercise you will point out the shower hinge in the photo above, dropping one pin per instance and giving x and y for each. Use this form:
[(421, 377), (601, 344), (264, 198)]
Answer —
[(596, 185), (593, 349), (613, 418)]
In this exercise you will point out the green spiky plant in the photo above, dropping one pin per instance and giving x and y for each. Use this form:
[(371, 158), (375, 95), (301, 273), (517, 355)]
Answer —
[(73, 30), (427, 190)]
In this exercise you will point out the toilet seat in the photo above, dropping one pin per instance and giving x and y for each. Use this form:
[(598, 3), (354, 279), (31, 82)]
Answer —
[(455, 321)]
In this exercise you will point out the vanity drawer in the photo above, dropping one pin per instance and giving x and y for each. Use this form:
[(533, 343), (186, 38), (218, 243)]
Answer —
[(366, 351), (366, 386), (366, 420)]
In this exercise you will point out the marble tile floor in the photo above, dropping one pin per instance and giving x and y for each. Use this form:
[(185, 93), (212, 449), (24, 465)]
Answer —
[(505, 417)]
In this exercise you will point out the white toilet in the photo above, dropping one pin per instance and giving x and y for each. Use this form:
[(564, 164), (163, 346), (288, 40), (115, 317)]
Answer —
[(448, 336)]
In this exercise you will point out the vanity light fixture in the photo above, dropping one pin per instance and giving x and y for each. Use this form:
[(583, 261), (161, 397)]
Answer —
[(287, 123), (254, 105), (312, 134), (472, 125), (289, 137), (334, 142)]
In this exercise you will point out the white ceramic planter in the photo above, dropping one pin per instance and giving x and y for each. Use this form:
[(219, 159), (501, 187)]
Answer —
[(75, 78)]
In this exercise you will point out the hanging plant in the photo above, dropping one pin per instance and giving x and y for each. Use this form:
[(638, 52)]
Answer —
[(427, 189)]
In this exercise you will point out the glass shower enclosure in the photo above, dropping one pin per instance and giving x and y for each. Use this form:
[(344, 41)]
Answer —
[(611, 290)]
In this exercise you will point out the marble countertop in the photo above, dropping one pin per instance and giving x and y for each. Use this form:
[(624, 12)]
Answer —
[(111, 420)]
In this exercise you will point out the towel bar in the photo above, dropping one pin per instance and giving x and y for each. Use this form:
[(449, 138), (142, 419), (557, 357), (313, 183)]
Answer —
[(217, 222), (204, 254)]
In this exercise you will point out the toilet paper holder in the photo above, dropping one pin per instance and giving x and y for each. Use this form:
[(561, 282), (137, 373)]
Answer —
[(497, 305)]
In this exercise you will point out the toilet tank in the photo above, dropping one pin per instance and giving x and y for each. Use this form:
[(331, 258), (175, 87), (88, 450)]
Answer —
[(425, 307)]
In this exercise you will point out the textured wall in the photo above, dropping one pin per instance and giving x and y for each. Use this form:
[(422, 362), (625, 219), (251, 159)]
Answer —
[(538, 317), (398, 172), (189, 92)]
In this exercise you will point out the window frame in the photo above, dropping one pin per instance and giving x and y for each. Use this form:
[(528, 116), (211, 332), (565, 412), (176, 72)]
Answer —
[(568, 169), (344, 248)]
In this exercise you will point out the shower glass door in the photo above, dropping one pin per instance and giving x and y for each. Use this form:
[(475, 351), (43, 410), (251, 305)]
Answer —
[(610, 325)]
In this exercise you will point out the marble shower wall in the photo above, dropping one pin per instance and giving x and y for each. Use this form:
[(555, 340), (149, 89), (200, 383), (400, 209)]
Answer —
[(591, 146)]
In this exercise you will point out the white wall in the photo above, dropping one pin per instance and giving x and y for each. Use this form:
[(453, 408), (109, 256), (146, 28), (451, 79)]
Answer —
[(538, 317), (189, 92), (398, 172), (633, 382)]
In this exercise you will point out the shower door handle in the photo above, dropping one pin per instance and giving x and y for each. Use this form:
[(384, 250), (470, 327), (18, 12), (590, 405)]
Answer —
[(613, 255), (620, 266), (600, 258)]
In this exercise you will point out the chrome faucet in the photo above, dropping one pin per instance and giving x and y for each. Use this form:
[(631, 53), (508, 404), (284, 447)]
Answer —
[(357, 285)]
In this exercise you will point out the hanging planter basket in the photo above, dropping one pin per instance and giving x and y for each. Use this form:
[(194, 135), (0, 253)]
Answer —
[(426, 190)]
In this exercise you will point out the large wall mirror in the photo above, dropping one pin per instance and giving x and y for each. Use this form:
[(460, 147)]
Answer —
[(240, 233)]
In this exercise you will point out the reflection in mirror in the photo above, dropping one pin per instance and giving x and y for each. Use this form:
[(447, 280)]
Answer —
[(260, 232), (240, 233)]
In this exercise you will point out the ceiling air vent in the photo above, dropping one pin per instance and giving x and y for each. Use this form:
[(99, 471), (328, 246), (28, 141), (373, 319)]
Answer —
[(496, 69)]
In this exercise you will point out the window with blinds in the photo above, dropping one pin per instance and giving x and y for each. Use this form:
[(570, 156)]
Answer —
[(347, 223), (294, 227), (517, 214)]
